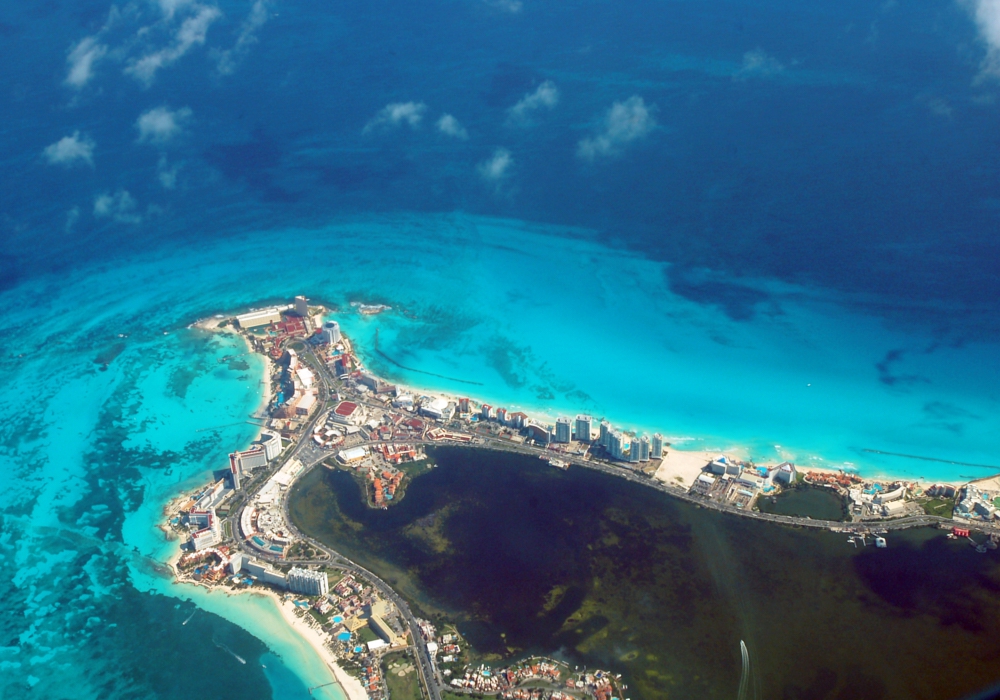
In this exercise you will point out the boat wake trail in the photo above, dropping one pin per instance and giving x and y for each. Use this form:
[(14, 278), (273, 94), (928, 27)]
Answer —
[(745, 675), (229, 651)]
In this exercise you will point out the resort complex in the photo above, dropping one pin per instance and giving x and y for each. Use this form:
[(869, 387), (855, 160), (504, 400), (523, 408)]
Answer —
[(325, 409)]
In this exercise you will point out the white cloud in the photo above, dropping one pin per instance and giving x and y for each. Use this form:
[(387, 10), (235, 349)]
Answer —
[(987, 13), (545, 96), (70, 150), (81, 60), (497, 166), (72, 216), (167, 175), (192, 32), (758, 63), (161, 124), (450, 126), (625, 122), (397, 113), (228, 60), (170, 7), (120, 207), (511, 6)]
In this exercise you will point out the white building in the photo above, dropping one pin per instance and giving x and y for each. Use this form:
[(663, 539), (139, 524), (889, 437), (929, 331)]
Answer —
[(564, 432), (308, 582), (271, 442), (331, 332), (656, 446), (235, 564), (352, 455), (893, 508), (894, 495), (605, 433), (265, 574), (210, 533), (643, 448), (616, 445), (786, 473), (256, 319), (634, 450), (583, 424), (302, 307)]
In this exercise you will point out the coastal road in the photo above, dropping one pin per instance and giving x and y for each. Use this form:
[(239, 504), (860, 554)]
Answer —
[(311, 455)]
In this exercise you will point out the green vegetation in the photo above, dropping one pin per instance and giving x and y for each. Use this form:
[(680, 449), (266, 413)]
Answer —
[(365, 635), (415, 468), (449, 695), (301, 550), (940, 507), (401, 677)]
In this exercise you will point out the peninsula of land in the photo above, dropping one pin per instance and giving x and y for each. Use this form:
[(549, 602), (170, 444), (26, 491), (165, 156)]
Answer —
[(321, 407)]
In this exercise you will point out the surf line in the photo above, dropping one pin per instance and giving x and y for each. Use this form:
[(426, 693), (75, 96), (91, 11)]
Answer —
[(931, 459), (420, 371)]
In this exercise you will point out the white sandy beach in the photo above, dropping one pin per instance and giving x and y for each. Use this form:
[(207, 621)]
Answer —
[(306, 627)]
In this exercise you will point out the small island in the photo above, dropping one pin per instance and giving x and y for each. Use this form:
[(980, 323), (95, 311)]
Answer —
[(322, 408)]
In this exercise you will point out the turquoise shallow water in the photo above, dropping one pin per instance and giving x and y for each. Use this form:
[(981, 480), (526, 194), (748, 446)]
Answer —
[(539, 317)]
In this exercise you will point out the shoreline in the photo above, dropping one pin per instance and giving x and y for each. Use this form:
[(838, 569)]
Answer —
[(677, 468), (684, 457), (350, 687)]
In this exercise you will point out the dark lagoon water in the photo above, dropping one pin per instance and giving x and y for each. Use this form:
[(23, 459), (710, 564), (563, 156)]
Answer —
[(806, 502), (526, 557)]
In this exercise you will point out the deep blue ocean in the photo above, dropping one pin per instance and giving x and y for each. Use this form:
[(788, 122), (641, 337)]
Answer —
[(763, 226)]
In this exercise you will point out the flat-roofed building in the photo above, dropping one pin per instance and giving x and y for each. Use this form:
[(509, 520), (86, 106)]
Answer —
[(643, 448), (305, 405), (785, 473), (352, 455), (656, 446), (894, 495), (563, 430), (331, 332), (539, 433), (308, 582), (348, 413), (518, 419), (302, 306), (893, 508), (265, 574), (605, 433), (616, 445), (271, 442), (256, 319), (382, 629), (583, 423), (235, 564)]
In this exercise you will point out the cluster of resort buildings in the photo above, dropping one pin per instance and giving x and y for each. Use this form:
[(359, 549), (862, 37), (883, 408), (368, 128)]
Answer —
[(979, 502), (538, 679)]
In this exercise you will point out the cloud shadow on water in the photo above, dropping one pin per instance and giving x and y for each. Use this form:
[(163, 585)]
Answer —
[(254, 162), (737, 301)]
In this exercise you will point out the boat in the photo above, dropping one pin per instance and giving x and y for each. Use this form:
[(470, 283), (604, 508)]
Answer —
[(559, 464)]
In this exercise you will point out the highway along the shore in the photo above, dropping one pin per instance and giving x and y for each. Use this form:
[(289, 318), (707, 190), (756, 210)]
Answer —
[(527, 558)]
